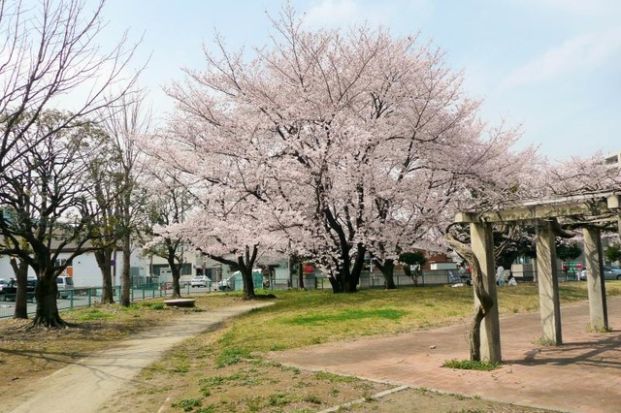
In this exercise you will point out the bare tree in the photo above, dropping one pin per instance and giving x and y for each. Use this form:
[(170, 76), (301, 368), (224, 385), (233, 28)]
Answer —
[(124, 125), (104, 192), (44, 200), (48, 52)]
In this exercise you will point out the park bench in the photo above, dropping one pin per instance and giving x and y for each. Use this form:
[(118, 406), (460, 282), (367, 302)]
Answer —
[(180, 302)]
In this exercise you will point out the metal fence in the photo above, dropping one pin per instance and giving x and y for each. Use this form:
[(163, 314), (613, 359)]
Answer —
[(427, 278), (374, 280), (86, 297)]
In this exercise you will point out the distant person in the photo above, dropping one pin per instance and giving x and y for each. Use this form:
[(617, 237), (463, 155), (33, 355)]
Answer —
[(511, 281), (500, 275)]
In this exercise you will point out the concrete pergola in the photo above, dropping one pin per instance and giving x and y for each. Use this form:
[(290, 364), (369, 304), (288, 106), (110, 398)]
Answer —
[(589, 212)]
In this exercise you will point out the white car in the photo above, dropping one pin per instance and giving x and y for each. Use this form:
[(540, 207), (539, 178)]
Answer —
[(65, 286), (226, 283), (200, 281)]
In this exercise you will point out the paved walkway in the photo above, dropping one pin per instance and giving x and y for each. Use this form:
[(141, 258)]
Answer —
[(84, 386), (583, 375)]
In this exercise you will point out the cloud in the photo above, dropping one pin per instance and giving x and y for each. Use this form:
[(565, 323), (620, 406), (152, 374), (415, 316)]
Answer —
[(580, 53)]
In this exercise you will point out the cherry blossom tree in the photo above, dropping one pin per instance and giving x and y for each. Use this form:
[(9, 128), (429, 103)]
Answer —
[(168, 201), (359, 143)]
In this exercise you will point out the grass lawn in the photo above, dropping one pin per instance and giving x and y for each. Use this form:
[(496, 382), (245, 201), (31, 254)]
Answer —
[(226, 371)]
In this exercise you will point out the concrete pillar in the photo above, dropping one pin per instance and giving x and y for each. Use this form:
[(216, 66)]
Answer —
[(595, 278), (483, 249), (547, 272)]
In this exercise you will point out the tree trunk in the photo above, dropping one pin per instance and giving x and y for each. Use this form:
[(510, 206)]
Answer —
[(176, 273), (301, 274), (125, 273), (336, 281), (47, 311), (349, 286), (21, 276), (352, 276), (245, 265), (248, 282), (388, 271), (485, 301), (104, 262)]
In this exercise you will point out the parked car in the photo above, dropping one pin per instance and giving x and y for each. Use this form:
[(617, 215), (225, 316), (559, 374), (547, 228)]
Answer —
[(227, 283), (455, 277), (9, 291), (65, 286), (200, 281), (610, 273), (582, 275)]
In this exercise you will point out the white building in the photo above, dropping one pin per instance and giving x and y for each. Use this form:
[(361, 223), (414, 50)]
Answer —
[(146, 268)]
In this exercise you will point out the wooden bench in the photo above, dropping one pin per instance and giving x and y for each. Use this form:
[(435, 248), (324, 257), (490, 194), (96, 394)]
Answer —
[(180, 302)]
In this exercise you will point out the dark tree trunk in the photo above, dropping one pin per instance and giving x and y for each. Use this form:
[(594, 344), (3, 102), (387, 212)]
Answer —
[(351, 282), (175, 268), (47, 311), (104, 262), (21, 277), (248, 283), (301, 274), (347, 276), (388, 270), (336, 283), (125, 273), (245, 265)]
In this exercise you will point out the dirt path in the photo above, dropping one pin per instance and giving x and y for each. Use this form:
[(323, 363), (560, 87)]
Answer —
[(86, 385), (582, 375)]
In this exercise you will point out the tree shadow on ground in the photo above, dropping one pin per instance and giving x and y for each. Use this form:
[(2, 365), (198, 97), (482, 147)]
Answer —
[(600, 352)]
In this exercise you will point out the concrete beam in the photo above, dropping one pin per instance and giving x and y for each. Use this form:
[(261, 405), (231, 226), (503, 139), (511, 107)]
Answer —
[(596, 286), (483, 249), (539, 212), (549, 302)]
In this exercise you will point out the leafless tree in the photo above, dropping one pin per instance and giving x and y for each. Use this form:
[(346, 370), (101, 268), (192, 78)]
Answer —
[(124, 125), (48, 52), (45, 202), (104, 190)]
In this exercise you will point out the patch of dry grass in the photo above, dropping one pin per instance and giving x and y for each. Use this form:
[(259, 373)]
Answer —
[(26, 354)]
